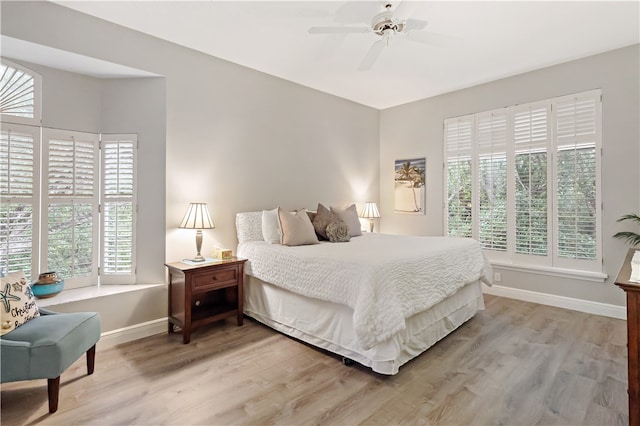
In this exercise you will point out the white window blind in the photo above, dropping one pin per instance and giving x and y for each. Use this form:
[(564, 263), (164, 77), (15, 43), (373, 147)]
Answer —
[(534, 182), (531, 139), (458, 146), (491, 193), (118, 208), (19, 177), (577, 203), (20, 90), (70, 231)]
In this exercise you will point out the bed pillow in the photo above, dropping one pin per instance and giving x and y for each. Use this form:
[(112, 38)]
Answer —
[(350, 217), (312, 215), (297, 229), (324, 216), (18, 302), (249, 226), (338, 232), (271, 226)]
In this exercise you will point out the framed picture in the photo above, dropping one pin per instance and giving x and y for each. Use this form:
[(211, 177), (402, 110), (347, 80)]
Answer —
[(409, 186)]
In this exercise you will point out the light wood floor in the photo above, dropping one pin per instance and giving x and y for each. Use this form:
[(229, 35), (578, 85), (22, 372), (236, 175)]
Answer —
[(516, 363)]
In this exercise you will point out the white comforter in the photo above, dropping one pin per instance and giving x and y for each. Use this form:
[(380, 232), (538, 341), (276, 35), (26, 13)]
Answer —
[(383, 278)]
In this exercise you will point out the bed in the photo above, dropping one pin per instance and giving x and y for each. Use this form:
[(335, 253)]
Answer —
[(379, 300)]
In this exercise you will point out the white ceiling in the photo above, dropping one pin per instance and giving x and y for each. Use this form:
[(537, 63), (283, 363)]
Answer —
[(484, 40)]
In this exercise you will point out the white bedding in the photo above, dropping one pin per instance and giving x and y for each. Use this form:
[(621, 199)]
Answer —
[(385, 279)]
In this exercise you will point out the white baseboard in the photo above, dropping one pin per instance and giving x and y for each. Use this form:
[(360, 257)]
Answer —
[(134, 332), (587, 306)]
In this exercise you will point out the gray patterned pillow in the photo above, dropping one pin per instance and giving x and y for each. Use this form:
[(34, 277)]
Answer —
[(338, 232), (324, 216)]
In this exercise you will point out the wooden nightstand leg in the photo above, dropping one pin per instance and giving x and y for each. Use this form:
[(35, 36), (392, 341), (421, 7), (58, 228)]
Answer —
[(240, 318)]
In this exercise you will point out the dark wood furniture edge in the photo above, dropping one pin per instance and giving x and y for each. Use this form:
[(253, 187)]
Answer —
[(632, 291)]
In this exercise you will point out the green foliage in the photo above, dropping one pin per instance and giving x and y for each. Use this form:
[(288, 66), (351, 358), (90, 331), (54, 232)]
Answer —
[(576, 202), (631, 237)]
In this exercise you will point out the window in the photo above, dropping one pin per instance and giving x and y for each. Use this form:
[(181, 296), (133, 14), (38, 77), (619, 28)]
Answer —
[(70, 205), (20, 90), (19, 197), (118, 208), (525, 182), (67, 204)]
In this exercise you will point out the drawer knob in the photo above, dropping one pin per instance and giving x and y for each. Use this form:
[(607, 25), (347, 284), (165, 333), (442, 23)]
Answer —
[(214, 278)]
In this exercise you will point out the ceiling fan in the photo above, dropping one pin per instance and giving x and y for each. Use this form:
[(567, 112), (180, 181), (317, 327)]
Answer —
[(387, 24)]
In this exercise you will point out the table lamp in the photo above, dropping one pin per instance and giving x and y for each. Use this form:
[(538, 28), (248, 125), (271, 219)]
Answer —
[(197, 217), (370, 211)]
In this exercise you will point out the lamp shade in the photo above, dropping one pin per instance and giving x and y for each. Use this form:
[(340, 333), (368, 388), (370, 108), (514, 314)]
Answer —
[(370, 211), (197, 217)]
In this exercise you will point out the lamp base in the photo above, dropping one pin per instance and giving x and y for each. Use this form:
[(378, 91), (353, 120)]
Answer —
[(199, 257), (370, 225)]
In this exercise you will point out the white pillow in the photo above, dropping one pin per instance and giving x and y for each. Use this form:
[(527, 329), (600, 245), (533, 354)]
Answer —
[(350, 217), (297, 229), (249, 226), (271, 226)]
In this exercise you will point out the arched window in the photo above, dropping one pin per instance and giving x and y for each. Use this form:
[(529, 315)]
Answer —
[(20, 94)]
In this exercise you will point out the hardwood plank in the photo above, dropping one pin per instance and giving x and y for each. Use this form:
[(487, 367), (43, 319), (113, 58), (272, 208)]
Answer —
[(514, 363)]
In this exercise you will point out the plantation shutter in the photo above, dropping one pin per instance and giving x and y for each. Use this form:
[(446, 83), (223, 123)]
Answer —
[(577, 190), (20, 90), (70, 206), (532, 138), (118, 208), (491, 133), (19, 177), (458, 136)]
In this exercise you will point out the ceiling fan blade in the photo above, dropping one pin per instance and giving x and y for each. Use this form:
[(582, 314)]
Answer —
[(415, 25), (338, 30), (433, 39), (372, 55)]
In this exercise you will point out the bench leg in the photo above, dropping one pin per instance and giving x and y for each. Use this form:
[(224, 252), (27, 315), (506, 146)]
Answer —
[(91, 359), (53, 388)]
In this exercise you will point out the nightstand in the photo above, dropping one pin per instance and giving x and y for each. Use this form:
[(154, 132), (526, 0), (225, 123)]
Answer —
[(201, 294)]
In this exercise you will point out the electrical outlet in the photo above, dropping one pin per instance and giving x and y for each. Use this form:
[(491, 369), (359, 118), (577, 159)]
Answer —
[(497, 277)]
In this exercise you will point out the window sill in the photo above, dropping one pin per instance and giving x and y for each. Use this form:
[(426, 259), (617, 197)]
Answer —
[(554, 272), (93, 292)]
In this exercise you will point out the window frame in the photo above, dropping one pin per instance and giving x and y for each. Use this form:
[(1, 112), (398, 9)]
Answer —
[(106, 139), (74, 198)]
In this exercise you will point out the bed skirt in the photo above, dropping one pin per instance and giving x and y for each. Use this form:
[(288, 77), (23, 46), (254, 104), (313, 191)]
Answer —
[(329, 325)]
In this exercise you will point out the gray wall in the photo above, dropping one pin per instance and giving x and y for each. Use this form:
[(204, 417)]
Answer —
[(415, 129), (232, 137), (137, 105)]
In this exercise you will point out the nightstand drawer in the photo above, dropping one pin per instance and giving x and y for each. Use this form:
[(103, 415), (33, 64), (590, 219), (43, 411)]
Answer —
[(221, 277)]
